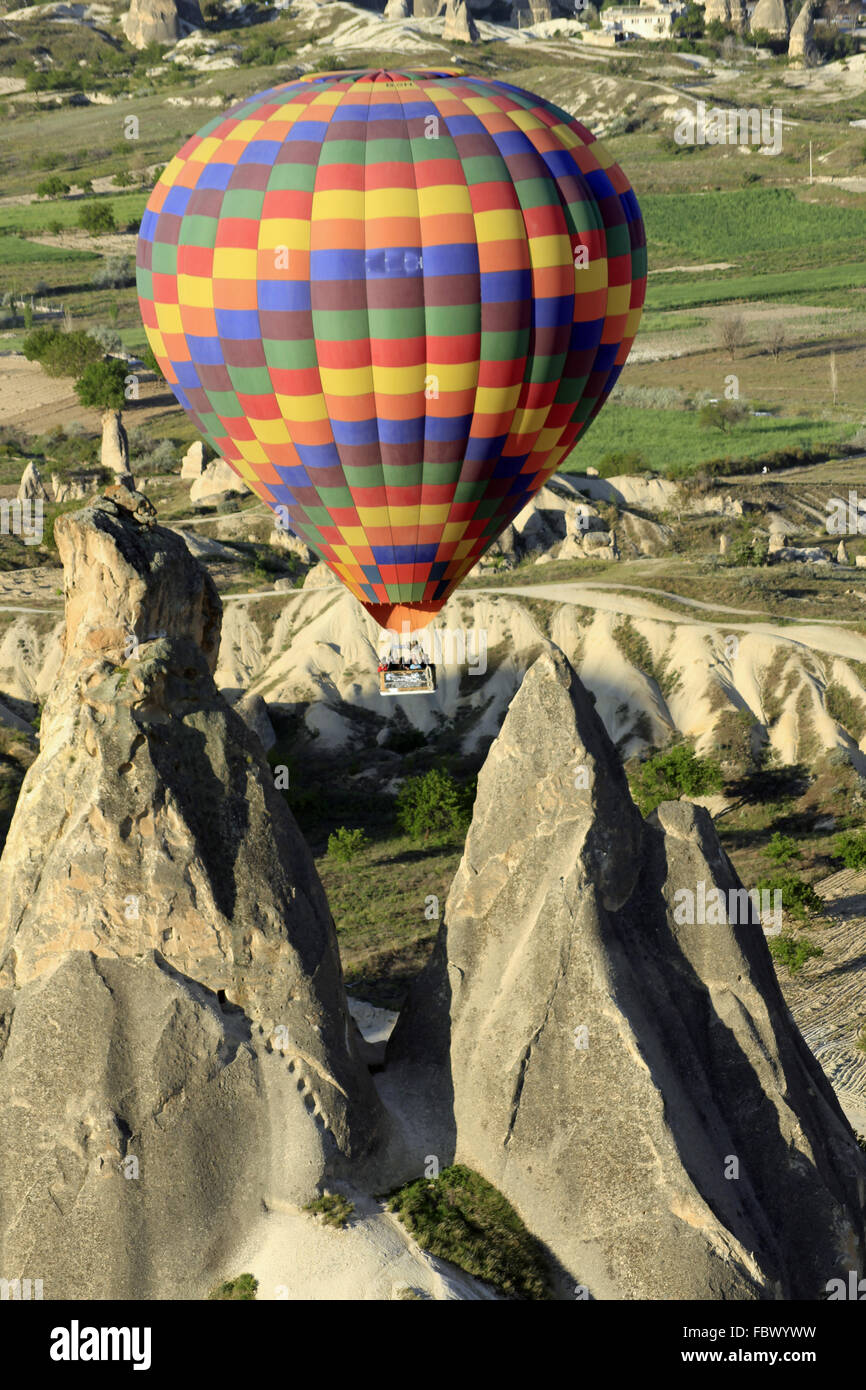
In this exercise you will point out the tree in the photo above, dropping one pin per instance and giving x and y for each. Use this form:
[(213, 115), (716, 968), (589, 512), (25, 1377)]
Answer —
[(834, 378), (721, 415), (97, 218), (775, 339), (102, 385), (690, 25), (52, 187), (732, 333), (115, 272), (61, 354), (433, 803), (345, 845), (676, 772)]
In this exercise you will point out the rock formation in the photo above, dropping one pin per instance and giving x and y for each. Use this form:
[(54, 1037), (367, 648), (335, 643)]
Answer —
[(730, 12), (397, 9), (428, 9), (31, 488), (801, 45), (771, 17), (254, 712), (527, 12), (628, 1076), (161, 21), (114, 452), (321, 576), (71, 487), (194, 461), (287, 540), (175, 1044), (216, 480)]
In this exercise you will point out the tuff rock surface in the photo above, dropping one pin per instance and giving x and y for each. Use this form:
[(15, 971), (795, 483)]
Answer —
[(631, 1082), (171, 998), (161, 21)]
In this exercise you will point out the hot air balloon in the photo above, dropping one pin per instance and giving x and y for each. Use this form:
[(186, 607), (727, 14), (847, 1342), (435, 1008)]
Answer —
[(393, 301)]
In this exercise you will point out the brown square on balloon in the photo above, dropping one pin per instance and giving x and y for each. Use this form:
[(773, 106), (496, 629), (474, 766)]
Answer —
[(244, 352), (286, 326), (214, 377), (205, 202), (338, 294), (167, 229), (253, 176)]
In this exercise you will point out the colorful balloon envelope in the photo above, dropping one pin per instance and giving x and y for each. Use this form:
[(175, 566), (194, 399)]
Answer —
[(393, 301)]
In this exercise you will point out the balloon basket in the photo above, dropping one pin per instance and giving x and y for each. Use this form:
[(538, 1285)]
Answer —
[(400, 681)]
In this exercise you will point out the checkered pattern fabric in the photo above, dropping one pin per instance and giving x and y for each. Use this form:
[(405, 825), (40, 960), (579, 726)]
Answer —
[(393, 301)]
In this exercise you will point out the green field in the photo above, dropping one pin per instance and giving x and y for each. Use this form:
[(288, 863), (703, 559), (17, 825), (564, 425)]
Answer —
[(676, 438), (767, 227), (817, 285), (16, 250), (35, 217)]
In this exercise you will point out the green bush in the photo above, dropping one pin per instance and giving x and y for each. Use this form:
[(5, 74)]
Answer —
[(114, 273), (850, 847), (750, 549), (619, 462), (108, 338), (241, 1289), (333, 1207), (433, 803), (344, 844), (781, 849), (53, 187), (798, 897), (460, 1217), (97, 219), (793, 953), (673, 773), (102, 385)]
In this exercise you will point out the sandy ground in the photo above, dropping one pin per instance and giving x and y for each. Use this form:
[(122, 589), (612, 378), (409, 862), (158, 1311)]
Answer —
[(29, 398), (32, 401), (296, 1257), (116, 244)]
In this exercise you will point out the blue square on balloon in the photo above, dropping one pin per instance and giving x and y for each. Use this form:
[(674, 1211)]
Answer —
[(187, 374), (215, 176), (148, 225), (606, 357), (176, 200), (599, 183), (260, 152), (207, 352), (237, 323)]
